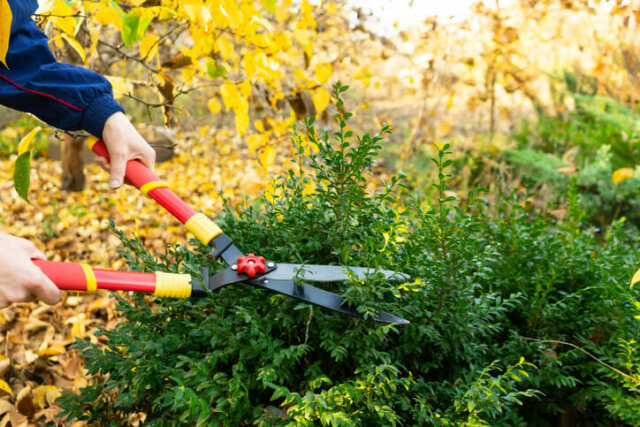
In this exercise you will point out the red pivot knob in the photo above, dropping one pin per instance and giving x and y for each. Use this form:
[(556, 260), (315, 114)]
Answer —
[(251, 264)]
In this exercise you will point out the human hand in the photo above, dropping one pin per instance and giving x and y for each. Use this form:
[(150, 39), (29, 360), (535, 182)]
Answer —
[(123, 143), (20, 279)]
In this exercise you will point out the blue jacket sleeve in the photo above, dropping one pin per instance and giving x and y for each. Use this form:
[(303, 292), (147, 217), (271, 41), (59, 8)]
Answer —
[(63, 95)]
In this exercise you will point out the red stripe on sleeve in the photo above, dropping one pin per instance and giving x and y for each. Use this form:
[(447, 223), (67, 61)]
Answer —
[(35, 92)]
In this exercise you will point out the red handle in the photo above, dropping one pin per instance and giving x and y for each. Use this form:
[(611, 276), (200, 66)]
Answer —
[(141, 176), (80, 277), (149, 183)]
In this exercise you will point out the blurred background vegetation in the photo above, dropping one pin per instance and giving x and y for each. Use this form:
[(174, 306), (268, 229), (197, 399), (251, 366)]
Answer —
[(536, 102)]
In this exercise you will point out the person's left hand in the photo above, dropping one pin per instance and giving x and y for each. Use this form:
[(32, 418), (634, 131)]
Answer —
[(123, 143)]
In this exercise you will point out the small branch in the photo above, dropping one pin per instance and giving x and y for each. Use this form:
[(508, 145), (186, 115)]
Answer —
[(147, 103), (130, 57), (48, 15), (164, 36), (306, 332), (629, 377)]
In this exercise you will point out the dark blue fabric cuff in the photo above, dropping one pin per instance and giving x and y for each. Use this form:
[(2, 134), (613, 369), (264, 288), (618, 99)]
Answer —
[(97, 113)]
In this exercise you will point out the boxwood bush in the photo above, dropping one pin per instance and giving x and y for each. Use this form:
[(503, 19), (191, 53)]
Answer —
[(516, 318)]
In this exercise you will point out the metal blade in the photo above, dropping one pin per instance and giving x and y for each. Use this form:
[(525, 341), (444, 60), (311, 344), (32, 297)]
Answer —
[(327, 273), (321, 298)]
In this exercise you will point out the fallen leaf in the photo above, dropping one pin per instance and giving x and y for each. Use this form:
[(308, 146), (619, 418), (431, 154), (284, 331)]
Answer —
[(45, 395), (24, 401), (635, 279), (5, 406), (621, 174), (567, 170), (5, 387), (17, 419), (53, 350), (5, 364)]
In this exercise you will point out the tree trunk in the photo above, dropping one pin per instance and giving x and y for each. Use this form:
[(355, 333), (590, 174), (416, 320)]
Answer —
[(72, 164), (71, 147)]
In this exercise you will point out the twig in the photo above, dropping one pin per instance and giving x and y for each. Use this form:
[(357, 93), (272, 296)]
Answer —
[(585, 352), (306, 332), (130, 57), (150, 104), (49, 15), (164, 36)]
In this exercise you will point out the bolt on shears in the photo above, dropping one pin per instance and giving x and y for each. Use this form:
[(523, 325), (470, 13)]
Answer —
[(246, 269)]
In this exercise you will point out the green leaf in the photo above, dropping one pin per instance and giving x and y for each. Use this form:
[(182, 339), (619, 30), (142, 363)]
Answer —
[(22, 176), (134, 27), (215, 71)]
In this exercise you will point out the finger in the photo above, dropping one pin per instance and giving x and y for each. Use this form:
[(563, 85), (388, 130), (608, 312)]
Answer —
[(103, 162), (118, 165), (45, 290), (149, 159), (35, 253), (32, 251)]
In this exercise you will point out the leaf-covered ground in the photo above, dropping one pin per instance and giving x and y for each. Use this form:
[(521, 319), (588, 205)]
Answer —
[(35, 356)]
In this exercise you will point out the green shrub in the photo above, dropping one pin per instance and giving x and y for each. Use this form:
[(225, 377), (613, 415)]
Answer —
[(9, 140), (489, 281), (597, 135)]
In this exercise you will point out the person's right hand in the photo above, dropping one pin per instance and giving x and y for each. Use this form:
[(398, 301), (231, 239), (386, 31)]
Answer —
[(20, 279)]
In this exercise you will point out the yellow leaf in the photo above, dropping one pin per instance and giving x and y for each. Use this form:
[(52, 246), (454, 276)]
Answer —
[(621, 174), (321, 99), (306, 8), (45, 395), (5, 30), (5, 387), (78, 329), (323, 72), (450, 100), (232, 13), (636, 278), (23, 146), (255, 141), (230, 95), (106, 15), (75, 45), (149, 47), (198, 13), (242, 122), (267, 156), (64, 17), (305, 39), (54, 350), (309, 188), (224, 46), (250, 65), (44, 6), (214, 106), (245, 88), (188, 73), (94, 34), (120, 86)]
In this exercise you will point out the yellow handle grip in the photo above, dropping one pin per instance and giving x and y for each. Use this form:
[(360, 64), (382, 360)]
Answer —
[(172, 285)]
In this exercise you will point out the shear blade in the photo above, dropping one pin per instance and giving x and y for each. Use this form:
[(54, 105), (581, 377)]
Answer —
[(327, 273), (321, 298)]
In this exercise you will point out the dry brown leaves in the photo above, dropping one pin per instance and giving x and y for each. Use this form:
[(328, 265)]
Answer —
[(36, 362)]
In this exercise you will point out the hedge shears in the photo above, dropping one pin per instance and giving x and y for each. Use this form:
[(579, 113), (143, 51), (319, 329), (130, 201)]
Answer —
[(247, 269)]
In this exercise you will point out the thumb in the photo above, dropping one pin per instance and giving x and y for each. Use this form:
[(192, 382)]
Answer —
[(47, 291), (116, 176)]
